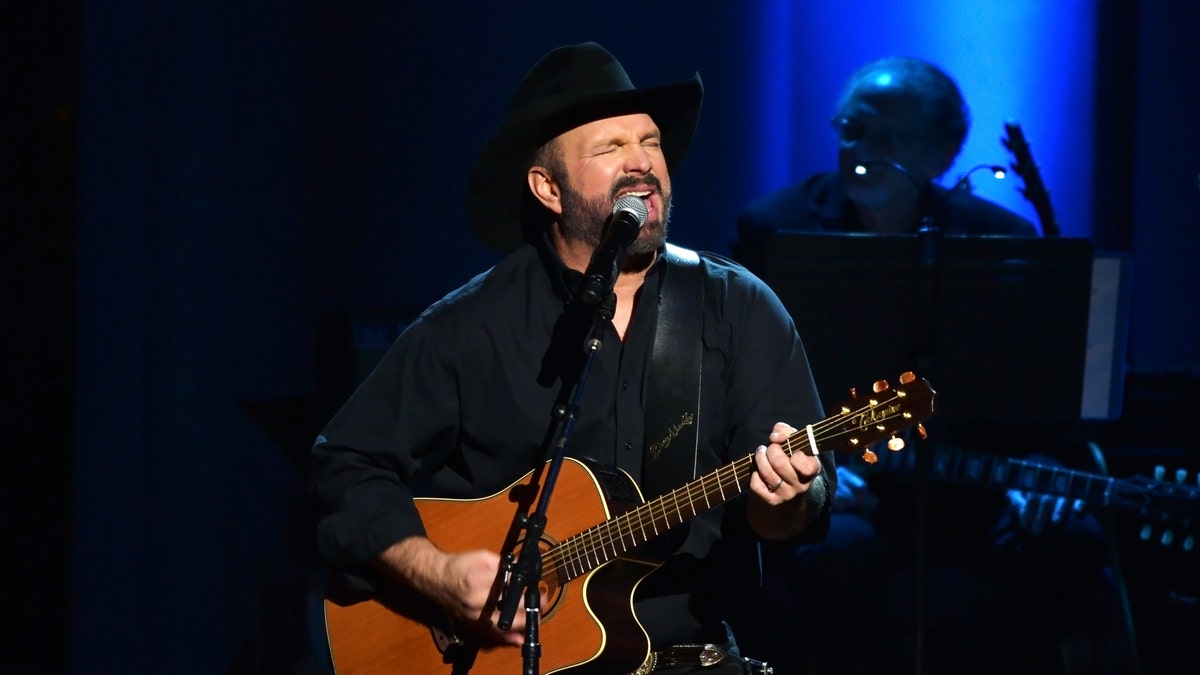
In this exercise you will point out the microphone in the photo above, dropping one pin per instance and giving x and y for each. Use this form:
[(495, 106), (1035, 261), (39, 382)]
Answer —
[(628, 216), (865, 167), (924, 190), (963, 183)]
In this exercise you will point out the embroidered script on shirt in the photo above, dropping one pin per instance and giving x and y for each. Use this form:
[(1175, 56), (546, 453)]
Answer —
[(685, 420)]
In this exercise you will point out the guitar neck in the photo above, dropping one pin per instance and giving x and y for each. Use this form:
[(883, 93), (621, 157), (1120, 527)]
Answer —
[(1004, 473), (887, 412), (1035, 190), (591, 548)]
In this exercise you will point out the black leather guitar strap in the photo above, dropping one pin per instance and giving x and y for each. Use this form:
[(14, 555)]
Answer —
[(673, 389)]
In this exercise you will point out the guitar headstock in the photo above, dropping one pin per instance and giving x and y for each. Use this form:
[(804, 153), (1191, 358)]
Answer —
[(1171, 509), (1023, 165), (889, 410)]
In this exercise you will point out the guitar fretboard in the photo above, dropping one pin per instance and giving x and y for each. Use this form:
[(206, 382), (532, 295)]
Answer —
[(874, 419), (969, 468)]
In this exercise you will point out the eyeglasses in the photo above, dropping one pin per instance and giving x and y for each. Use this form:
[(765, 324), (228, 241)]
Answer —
[(852, 132)]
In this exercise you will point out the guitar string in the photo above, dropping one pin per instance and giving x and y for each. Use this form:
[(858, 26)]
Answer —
[(609, 534), (656, 511), (645, 519), (577, 559)]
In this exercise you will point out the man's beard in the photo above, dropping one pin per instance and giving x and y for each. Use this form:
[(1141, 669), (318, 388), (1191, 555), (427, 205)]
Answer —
[(583, 218)]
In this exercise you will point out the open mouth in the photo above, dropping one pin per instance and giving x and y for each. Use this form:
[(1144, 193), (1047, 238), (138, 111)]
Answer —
[(644, 195)]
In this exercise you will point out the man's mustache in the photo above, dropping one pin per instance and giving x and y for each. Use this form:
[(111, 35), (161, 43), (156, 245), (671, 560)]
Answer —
[(636, 181)]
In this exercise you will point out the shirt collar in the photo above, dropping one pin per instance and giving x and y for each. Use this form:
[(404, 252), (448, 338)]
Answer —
[(565, 281)]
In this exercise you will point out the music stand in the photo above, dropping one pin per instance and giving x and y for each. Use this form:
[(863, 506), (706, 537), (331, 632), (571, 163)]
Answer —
[(997, 324), (1006, 332)]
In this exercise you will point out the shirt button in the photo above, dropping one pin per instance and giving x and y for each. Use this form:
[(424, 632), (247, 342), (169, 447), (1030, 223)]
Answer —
[(628, 445), (624, 386)]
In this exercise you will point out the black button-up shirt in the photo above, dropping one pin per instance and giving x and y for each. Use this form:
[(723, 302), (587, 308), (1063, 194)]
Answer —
[(462, 404)]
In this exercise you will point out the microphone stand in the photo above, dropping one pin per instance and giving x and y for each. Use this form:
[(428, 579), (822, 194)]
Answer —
[(526, 570), (929, 238), (928, 244)]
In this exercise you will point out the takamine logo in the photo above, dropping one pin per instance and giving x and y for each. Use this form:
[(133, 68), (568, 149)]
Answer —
[(657, 447), (875, 415)]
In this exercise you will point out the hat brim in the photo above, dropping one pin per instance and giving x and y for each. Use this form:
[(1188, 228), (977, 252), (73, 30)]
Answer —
[(498, 184)]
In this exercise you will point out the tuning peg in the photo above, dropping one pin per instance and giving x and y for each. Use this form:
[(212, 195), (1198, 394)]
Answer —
[(1145, 532), (921, 432), (895, 444), (907, 377), (1189, 543), (869, 456), (1167, 538), (1159, 471), (880, 386), (1181, 476)]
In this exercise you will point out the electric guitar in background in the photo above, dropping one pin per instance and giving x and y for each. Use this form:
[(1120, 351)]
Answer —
[(1034, 190), (1175, 526), (1168, 509), (590, 567)]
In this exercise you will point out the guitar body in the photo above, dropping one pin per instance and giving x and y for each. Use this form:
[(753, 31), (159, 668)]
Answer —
[(586, 627)]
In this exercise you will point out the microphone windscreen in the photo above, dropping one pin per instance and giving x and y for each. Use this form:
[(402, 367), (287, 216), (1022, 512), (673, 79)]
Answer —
[(633, 205)]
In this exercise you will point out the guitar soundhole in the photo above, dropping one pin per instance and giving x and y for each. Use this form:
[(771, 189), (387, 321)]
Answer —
[(551, 590)]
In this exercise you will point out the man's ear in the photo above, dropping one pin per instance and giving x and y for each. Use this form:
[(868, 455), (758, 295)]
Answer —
[(545, 189)]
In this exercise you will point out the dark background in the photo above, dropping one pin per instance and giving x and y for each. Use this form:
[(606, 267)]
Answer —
[(209, 211)]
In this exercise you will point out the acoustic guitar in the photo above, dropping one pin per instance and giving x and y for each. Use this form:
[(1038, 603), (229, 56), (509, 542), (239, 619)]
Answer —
[(590, 565)]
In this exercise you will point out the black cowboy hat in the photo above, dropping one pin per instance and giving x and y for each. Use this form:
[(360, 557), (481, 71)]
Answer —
[(569, 87)]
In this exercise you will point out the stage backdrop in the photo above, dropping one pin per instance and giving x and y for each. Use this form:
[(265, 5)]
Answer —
[(251, 171)]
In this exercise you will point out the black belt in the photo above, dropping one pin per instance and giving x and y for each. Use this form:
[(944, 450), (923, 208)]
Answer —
[(700, 656)]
